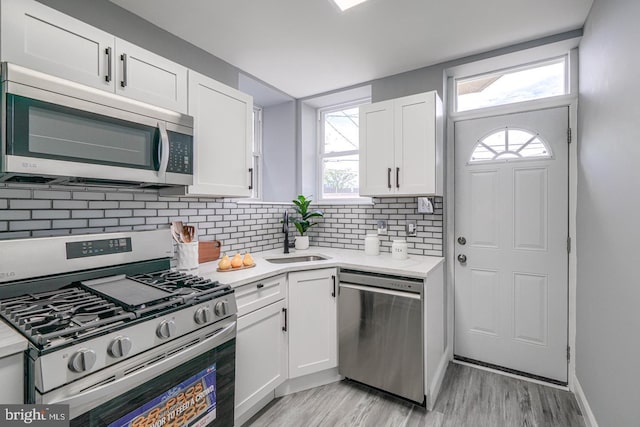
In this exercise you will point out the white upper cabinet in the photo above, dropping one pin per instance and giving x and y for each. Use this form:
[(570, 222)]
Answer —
[(376, 148), (38, 37), (150, 78), (44, 39), (401, 147), (223, 138)]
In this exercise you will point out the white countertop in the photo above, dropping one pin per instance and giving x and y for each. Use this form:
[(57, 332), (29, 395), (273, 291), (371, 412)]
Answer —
[(415, 266), (11, 342)]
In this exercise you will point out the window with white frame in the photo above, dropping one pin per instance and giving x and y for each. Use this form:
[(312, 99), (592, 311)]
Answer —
[(339, 152), (525, 83), (256, 164)]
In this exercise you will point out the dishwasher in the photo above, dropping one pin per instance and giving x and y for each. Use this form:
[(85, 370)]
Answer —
[(380, 332)]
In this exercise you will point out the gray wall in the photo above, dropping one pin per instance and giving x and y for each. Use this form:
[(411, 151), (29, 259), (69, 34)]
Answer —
[(279, 152), (608, 291)]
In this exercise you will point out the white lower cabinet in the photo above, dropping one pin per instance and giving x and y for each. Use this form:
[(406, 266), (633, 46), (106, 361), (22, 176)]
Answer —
[(261, 347), (12, 374), (313, 335)]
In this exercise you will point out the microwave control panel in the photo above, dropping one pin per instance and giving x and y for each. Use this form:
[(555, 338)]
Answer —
[(180, 153)]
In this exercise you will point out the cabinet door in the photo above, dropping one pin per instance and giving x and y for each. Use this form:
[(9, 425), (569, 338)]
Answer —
[(313, 341), (376, 149), (261, 355), (150, 78), (415, 144), (223, 138), (38, 37)]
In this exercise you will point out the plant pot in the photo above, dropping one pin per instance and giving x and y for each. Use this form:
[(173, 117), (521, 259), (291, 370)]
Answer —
[(302, 242)]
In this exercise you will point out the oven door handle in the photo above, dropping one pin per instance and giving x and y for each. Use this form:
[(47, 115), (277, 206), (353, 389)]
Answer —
[(94, 397)]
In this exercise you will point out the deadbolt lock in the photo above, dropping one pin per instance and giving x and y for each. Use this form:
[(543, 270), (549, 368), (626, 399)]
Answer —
[(462, 240)]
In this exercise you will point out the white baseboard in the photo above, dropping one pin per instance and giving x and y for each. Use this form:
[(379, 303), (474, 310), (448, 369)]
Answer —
[(436, 382), (587, 413), (306, 382), (240, 420)]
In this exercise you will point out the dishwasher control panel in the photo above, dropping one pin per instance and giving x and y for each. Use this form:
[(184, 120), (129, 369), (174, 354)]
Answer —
[(406, 284)]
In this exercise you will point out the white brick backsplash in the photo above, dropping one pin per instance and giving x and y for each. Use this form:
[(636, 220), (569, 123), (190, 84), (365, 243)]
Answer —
[(88, 195), (29, 204), (131, 221), (29, 225), (119, 196), (38, 210), (14, 193), (70, 204), (119, 213), (50, 195), (14, 215), (50, 214)]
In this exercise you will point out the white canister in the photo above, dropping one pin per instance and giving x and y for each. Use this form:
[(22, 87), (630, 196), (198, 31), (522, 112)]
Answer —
[(187, 256), (372, 245), (399, 249)]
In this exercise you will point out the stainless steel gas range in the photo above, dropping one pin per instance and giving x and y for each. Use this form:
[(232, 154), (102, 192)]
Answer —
[(117, 335)]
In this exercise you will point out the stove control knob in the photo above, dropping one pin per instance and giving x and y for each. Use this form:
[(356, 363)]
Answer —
[(221, 308), (82, 360), (202, 315), (166, 329), (120, 346)]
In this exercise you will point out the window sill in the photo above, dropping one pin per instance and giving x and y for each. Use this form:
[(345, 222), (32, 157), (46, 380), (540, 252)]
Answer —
[(359, 201)]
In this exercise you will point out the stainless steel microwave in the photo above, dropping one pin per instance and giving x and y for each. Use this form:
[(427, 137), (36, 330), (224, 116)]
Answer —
[(57, 131)]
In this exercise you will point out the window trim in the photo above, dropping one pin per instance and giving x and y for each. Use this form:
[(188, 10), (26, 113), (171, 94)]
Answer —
[(256, 154), (513, 69), (321, 155)]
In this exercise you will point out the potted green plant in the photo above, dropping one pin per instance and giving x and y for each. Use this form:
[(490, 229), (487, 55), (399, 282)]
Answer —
[(302, 224)]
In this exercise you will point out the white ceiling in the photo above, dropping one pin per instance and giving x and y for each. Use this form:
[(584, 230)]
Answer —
[(306, 47)]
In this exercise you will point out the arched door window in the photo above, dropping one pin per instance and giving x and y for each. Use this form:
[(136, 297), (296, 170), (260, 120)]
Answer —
[(510, 144)]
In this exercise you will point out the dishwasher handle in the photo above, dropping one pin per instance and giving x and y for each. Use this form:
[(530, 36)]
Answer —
[(373, 289)]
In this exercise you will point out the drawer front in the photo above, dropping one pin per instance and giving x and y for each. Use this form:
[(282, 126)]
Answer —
[(259, 294)]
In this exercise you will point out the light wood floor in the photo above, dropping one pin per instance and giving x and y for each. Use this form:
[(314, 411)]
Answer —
[(469, 397)]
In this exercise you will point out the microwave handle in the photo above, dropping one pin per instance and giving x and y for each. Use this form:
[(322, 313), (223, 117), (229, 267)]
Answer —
[(163, 149)]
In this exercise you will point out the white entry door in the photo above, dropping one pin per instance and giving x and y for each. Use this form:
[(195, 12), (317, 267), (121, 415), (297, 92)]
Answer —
[(511, 225)]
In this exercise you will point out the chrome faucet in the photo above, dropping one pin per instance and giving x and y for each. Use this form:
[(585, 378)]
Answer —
[(285, 230)]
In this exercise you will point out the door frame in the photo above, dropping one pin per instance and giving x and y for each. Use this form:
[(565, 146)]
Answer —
[(571, 101)]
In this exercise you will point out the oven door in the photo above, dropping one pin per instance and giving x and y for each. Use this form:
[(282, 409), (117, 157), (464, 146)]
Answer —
[(191, 383)]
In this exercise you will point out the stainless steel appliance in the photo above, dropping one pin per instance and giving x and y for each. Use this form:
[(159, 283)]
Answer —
[(59, 131), (117, 335), (381, 334)]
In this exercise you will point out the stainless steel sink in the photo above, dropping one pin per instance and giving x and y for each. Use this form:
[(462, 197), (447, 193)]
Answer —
[(299, 258)]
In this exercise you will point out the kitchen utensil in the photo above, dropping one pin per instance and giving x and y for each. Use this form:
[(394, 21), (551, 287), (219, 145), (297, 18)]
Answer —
[(209, 251), (188, 233), (175, 234)]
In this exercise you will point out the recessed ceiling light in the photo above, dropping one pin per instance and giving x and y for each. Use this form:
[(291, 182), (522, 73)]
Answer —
[(346, 4)]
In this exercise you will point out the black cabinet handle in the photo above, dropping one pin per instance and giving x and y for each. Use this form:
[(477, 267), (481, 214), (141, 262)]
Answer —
[(397, 177), (107, 51), (260, 285), (250, 178), (333, 294), (389, 178), (284, 328), (123, 58)]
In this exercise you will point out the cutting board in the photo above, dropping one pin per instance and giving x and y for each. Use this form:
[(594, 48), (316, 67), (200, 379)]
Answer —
[(209, 251)]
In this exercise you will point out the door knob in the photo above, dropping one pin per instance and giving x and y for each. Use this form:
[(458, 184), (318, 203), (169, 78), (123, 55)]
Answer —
[(462, 240), (462, 258)]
